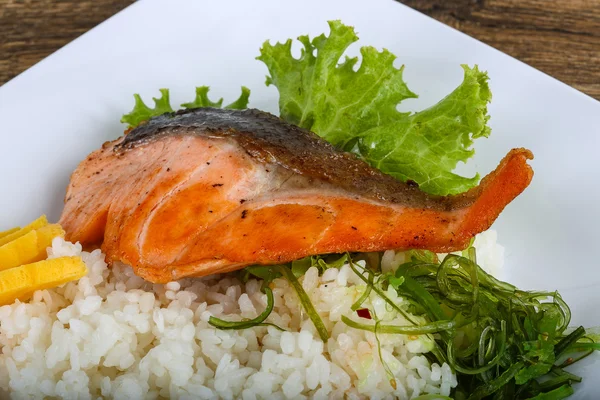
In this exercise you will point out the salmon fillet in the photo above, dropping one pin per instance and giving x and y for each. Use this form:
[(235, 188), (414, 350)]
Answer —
[(206, 191)]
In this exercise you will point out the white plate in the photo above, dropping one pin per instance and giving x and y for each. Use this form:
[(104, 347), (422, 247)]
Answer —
[(54, 114)]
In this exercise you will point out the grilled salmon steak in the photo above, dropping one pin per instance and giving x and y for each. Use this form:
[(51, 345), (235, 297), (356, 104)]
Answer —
[(207, 190)]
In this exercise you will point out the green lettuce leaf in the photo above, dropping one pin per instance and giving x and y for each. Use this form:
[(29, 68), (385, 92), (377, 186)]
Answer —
[(426, 146), (141, 112), (331, 99), (356, 109), (202, 100)]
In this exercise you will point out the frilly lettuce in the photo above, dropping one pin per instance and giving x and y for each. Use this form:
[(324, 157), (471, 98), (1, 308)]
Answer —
[(141, 112), (356, 109)]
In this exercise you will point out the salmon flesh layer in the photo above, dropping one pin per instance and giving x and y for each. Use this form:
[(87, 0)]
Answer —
[(206, 191)]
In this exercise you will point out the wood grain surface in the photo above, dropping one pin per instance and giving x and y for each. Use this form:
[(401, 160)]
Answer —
[(559, 37), (31, 30)]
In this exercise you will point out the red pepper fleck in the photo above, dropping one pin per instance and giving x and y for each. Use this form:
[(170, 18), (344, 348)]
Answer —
[(364, 313)]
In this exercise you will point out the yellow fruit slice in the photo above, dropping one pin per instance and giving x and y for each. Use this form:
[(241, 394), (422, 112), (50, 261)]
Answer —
[(9, 231), (38, 223), (30, 247), (45, 236), (20, 282), (19, 251)]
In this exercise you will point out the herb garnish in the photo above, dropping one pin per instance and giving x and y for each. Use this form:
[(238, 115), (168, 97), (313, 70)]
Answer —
[(502, 342)]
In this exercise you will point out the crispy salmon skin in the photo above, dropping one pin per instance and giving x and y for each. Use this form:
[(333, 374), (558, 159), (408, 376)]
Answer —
[(207, 190)]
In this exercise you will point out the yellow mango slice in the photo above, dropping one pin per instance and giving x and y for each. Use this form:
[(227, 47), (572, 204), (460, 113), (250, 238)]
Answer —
[(19, 251), (20, 282), (9, 231), (45, 236), (38, 223), (30, 247)]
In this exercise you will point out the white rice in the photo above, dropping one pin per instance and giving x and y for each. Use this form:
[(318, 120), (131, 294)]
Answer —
[(112, 335)]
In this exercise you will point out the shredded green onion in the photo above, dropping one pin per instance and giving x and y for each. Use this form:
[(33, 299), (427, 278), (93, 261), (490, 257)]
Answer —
[(433, 327), (490, 387), (249, 323), (562, 377), (502, 342), (557, 394), (498, 339), (365, 294), (306, 303), (585, 346), (568, 340), (379, 291)]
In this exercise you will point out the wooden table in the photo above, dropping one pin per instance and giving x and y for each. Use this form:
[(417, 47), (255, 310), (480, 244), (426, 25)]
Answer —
[(559, 37)]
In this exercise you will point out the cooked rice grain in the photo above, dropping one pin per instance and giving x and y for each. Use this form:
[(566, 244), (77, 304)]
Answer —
[(113, 335)]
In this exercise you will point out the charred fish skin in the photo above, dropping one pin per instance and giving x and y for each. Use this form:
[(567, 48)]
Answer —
[(269, 139), (207, 191)]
